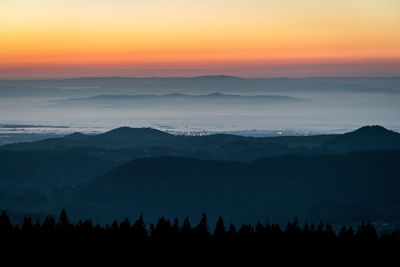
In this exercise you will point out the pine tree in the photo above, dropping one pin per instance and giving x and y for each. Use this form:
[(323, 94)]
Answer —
[(175, 227), (125, 226), (5, 223), (48, 225), (219, 231), (186, 230), (201, 229), (232, 231), (63, 221), (139, 228)]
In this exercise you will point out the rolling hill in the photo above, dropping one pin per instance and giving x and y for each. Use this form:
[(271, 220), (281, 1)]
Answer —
[(337, 188), (366, 138), (152, 142), (127, 171)]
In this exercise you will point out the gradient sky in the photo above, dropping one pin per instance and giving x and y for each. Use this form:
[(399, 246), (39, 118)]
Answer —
[(251, 38)]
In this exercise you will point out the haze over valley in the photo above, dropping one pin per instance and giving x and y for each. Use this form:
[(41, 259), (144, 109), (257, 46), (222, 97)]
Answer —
[(199, 105)]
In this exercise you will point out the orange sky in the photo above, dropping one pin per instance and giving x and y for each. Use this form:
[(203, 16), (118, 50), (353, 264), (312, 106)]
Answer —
[(65, 36)]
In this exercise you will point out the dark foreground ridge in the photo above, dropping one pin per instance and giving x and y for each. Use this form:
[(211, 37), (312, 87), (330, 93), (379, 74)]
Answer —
[(164, 230)]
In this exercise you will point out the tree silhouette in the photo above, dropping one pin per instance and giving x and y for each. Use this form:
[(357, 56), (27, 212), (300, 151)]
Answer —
[(125, 226), (5, 223), (115, 227), (246, 232), (201, 230), (63, 221), (48, 225), (139, 228), (219, 231), (232, 231), (186, 230), (346, 234), (366, 232), (163, 232), (175, 227)]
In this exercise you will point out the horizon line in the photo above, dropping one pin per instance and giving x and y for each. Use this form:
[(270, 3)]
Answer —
[(201, 76)]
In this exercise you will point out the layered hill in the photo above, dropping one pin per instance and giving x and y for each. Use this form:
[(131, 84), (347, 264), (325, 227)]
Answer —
[(337, 188), (221, 146), (48, 169), (127, 171)]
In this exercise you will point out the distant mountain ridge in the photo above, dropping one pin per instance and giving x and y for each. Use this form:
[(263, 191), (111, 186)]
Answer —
[(177, 98), (365, 138), (89, 86)]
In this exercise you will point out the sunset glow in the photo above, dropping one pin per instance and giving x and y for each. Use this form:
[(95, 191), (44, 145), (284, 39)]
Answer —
[(166, 38)]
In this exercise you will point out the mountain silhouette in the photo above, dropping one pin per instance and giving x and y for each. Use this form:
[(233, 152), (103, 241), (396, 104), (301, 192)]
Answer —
[(221, 146), (124, 132), (129, 171), (90, 86), (339, 188), (123, 137), (366, 138), (176, 99)]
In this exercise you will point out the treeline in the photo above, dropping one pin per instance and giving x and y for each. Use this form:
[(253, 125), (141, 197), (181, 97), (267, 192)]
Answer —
[(165, 230)]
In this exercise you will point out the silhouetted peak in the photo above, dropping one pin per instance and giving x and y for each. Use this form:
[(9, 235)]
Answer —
[(367, 138), (373, 131), (134, 132)]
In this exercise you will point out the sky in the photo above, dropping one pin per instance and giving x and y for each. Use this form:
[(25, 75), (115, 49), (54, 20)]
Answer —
[(249, 38)]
